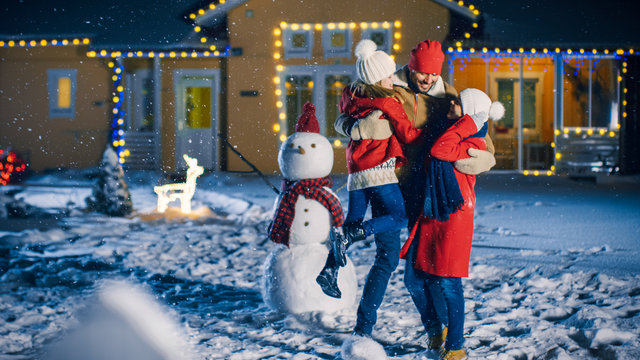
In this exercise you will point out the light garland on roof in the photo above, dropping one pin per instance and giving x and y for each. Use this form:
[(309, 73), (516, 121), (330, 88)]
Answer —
[(161, 54), (44, 42), (203, 11), (278, 79)]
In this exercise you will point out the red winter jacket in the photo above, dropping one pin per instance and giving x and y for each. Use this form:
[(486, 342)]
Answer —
[(444, 248), (367, 153)]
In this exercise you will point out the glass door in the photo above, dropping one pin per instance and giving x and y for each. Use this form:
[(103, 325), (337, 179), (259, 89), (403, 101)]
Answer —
[(511, 129), (196, 117)]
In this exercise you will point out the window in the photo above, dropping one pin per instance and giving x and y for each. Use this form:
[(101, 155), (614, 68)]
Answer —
[(297, 43), (337, 42), (334, 85), (380, 36), (140, 100), (321, 85), (62, 92), (299, 90)]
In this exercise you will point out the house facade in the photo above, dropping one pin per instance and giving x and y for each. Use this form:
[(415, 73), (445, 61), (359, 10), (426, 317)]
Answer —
[(195, 79)]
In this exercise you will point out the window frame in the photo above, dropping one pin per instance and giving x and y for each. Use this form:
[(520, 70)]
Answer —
[(388, 37), (53, 76), (331, 51), (292, 52), (318, 74)]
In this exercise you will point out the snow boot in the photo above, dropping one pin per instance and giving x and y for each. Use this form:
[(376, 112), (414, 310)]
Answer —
[(453, 354), (437, 341), (328, 281), (341, 242)]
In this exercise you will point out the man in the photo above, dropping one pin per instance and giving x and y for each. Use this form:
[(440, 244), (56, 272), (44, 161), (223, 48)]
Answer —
[(425, 98)]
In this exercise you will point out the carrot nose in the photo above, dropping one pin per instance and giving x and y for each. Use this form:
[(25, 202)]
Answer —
[(300, 150)]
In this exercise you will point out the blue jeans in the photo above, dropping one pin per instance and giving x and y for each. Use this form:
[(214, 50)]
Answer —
[(387, 208), (440, 302), (387, 211)]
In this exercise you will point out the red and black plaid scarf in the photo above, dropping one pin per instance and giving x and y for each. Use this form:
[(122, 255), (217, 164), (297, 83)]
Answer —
[(310, 189)]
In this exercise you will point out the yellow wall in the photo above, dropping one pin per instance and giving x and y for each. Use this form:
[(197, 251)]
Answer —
[(24, 107), (251, 118)]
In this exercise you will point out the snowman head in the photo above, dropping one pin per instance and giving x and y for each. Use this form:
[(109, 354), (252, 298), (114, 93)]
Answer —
[(306, 154)]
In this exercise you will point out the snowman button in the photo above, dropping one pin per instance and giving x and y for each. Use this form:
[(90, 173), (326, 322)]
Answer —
[(306, 210), (306, 223)]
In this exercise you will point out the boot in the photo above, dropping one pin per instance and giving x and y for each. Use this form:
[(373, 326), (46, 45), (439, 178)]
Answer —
[(436, 342), (328, 281), (341, 242), (453, 354)]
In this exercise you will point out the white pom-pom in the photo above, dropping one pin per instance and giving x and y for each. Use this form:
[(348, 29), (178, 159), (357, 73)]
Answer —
[(496, 111), (365, 48)]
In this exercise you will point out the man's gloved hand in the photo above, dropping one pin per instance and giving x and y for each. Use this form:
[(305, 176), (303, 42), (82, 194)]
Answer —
[(480, 118), (371, 127), (479, 162)]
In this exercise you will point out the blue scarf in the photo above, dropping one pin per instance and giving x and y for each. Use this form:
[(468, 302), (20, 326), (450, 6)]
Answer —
[(442, 192)]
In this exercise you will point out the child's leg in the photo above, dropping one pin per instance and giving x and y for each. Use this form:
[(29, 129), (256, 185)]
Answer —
[(387, 209), (357, 207), (451, 288), (386, 261)]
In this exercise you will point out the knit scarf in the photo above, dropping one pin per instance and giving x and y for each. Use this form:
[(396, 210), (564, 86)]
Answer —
[(311, 189), (442, 192)]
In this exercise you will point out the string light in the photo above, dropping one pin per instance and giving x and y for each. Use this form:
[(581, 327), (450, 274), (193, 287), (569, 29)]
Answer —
[(278, 43)]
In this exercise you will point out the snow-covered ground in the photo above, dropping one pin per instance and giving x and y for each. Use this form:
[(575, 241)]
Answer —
[(554, 271)]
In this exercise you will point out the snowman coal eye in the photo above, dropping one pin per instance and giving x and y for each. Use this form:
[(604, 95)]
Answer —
[(291, 145), (313, 145)]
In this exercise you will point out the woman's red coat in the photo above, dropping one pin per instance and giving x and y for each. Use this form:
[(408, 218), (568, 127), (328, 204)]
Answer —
[(444, 248)]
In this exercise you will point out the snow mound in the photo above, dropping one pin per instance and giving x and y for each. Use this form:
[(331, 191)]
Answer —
[(125, 322), (362, 348)]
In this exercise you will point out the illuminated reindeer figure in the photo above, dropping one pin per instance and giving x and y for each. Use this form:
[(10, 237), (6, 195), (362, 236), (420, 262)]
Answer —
[(180, 191)]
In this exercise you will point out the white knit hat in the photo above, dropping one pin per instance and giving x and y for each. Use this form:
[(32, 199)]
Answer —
[(372, 65), (474, 101)]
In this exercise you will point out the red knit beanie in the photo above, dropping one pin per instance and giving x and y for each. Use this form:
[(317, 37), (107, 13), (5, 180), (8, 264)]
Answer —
[(427, 57), (307, 121)]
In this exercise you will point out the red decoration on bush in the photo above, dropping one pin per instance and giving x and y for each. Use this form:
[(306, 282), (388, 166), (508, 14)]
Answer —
[(10, 164)]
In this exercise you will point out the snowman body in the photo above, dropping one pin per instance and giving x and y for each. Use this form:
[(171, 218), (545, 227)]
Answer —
[(289, 272)]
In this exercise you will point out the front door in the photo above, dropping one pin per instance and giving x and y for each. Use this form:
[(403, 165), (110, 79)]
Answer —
[(196, 116)]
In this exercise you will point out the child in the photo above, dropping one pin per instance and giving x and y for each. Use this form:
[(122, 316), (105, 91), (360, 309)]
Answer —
[(372, 181), (439, 246)]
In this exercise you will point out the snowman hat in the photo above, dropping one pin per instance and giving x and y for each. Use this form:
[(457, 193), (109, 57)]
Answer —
[(307, 121)]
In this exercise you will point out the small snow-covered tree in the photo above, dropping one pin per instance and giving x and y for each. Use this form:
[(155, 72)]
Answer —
[(110, 193)]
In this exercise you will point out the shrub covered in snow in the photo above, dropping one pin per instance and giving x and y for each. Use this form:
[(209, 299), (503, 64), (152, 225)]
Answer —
[(110, 194)]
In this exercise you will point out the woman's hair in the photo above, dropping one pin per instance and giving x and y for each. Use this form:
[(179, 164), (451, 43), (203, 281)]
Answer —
[(370, 91)]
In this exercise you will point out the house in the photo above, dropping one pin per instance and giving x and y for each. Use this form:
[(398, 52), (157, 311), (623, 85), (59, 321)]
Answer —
[(195, 77), (567, 75)]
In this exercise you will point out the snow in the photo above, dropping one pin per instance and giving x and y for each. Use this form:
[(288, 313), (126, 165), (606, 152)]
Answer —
[(554, 273)]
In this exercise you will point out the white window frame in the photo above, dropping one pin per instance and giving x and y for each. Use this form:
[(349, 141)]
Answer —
[(330, 50), (318, 73), (52, 84), (292, 52), (388, 37)]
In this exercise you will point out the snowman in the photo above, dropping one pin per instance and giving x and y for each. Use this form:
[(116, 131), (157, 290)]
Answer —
[(305, 214)]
